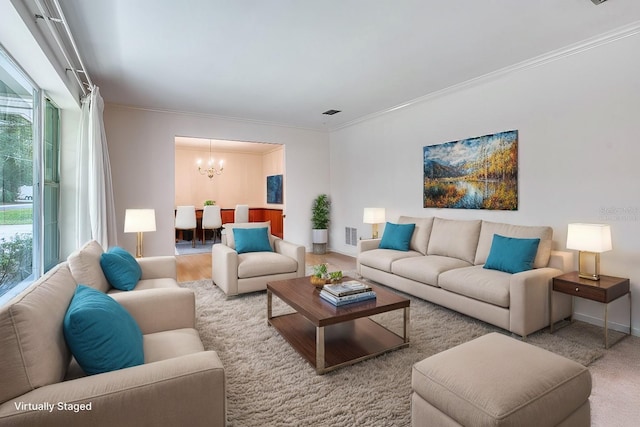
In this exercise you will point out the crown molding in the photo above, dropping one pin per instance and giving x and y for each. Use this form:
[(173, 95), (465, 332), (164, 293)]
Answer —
[(214, 116), (556, 55)]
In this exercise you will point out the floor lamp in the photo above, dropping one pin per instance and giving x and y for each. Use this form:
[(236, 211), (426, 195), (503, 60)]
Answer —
[(138, 221)]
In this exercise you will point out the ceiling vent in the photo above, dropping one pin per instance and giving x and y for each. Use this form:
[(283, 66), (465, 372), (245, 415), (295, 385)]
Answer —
[(331, 112), (596, 2)]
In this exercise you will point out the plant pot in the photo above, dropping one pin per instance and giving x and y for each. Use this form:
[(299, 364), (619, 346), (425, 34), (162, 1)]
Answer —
[(318, 282), (320, 236)]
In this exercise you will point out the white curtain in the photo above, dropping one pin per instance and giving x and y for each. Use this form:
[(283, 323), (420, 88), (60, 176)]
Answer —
[(95, 209)]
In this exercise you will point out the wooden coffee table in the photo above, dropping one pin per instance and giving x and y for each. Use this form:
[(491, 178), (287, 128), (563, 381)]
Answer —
[(330, 337)]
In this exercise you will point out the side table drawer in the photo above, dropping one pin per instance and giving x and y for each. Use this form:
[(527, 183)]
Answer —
[(589, 292)]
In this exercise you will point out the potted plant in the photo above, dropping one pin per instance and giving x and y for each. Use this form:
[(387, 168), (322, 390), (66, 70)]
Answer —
[(320, 217), (320, 275), (209, 202)]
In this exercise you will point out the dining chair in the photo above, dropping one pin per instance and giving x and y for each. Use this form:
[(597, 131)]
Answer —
[(211, 220), (241, 213), (186, 220)]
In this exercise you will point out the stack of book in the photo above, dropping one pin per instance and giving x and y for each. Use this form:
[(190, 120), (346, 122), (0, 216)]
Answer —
[(346, 293)]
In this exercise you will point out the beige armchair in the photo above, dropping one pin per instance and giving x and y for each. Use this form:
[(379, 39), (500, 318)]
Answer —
[(249, 272)]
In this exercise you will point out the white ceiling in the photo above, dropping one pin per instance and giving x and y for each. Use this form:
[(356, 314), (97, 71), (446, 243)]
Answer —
[(287, 61)]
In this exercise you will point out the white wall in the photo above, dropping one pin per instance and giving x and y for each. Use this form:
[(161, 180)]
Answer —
[(273, 164), (243, 180), (579, 145), (142, 151)]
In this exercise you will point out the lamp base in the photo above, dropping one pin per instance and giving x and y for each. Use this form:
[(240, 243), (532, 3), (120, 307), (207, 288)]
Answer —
[(374, 231), (584, 271), (139, 245)]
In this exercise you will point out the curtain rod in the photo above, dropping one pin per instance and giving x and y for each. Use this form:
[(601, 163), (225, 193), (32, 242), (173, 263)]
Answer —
[(54, 31)]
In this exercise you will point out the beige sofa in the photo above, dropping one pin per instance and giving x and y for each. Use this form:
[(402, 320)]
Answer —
[(249, 272), (444, 265), (41, 384)]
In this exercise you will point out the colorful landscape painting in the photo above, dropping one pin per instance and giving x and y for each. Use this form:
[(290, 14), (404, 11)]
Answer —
[(474, 173)]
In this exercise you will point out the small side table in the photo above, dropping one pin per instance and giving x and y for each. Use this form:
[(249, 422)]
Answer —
[(605, 290)]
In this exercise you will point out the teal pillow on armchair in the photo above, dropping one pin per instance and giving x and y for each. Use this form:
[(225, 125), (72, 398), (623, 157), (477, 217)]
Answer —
[(252, 240)]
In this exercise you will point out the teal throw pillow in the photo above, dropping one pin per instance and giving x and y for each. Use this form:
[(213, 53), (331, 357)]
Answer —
[(120, 268), (511, 254), (100, 333), (397, 236), (252, 240)]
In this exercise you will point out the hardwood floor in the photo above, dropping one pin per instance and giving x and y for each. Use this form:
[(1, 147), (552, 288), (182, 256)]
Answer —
[(193, 267), (198, 266)]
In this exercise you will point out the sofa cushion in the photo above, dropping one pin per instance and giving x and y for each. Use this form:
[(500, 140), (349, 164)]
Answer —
[(101, 334), (421, 233), (511, 254), (169, 344), (151, 284), (33, 352), (229, 227), (252, 240), (254, 264), (397, 236), (85, 266), (381, 259), (454, 238), (426, 269), (491, 286), (120, 268), (545, 234)]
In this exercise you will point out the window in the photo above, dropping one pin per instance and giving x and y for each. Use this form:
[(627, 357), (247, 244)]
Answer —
[(25, 209), (51, 191)]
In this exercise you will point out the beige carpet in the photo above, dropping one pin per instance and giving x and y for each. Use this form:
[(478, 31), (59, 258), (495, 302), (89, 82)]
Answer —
[(269, 384)]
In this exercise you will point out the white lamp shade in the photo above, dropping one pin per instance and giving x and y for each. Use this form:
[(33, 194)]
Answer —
[(139, 220), (373, 216), (589, 237)]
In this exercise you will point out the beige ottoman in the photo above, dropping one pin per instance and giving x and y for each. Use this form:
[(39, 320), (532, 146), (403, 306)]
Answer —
[(496, 380)]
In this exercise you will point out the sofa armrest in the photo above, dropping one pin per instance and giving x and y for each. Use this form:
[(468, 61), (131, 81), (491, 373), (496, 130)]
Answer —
[(158, 267), (187, 390), (294, 251), (157, 310), (368, 244), (224, 268), (363, 246), (529, 300), (562, 260)]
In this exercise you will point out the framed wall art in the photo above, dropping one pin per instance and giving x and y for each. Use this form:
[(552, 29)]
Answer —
[(473, 173), (274, 189)]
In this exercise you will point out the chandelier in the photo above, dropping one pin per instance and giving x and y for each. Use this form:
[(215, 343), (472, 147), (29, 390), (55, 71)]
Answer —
[(211, 171)]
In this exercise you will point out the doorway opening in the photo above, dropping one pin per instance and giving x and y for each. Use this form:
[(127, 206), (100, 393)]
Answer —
[(225, 173)]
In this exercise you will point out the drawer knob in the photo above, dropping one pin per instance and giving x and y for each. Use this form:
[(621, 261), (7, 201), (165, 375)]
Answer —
[(577, 289)]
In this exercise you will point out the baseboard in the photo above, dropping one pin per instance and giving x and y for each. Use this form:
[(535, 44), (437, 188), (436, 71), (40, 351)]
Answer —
[(612, 325)]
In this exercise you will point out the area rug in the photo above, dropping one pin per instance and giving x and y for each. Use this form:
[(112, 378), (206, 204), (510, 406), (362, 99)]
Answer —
[(269, 384), (183, 247)]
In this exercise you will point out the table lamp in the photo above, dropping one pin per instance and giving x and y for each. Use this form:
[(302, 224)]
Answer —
[(139, 221), (374, 216), (590, 240)]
